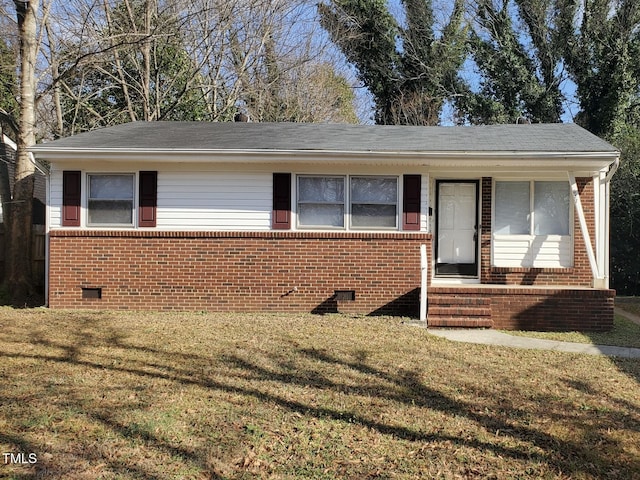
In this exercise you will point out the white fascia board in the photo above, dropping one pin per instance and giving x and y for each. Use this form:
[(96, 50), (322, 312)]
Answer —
[(589, 160)]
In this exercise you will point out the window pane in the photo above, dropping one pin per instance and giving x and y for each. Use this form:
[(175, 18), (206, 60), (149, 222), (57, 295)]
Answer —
[(512, 208), (321, 189), (111, 212), (111, 187), (551, 208), (366, 215), (312, 214), (374, 190), (111, 199)]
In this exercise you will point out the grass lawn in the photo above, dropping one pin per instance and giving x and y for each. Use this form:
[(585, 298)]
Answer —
[(111, 395), (625, 333), (630, 304)]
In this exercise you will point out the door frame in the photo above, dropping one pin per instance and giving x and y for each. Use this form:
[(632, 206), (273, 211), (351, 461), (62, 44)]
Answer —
[(462, 270)]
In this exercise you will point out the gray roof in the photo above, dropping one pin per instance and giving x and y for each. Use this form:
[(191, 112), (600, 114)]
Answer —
[(203, 136)]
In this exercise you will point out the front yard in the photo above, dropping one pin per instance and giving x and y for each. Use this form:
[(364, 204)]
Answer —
[(115, 395)]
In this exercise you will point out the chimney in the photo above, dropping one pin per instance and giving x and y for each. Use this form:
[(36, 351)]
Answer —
[(241, 117)]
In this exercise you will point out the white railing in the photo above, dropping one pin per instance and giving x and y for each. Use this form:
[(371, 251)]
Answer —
[(423, 283)]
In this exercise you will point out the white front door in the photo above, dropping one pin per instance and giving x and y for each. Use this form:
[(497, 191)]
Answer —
[(456, 217)]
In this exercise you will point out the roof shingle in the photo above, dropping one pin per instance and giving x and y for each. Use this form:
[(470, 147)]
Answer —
[(203, 136)]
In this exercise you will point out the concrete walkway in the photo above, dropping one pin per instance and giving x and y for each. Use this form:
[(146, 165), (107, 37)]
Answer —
[(628, 315), (494, 337)]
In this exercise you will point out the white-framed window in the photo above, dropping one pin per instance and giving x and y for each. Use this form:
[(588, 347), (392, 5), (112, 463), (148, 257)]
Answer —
[(374, 202), (532, 224), (369, 202), (531, 208), (321, 201), (110, 199)]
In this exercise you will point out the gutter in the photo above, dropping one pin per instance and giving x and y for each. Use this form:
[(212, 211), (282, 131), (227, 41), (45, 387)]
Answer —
[(613, 169), (510, 159)]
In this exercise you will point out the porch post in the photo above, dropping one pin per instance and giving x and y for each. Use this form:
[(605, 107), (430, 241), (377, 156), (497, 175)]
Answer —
[(423, 283), (597, 278), (602, 228)]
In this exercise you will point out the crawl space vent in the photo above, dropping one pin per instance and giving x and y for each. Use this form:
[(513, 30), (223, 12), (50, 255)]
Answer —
[(344, 295), (90, 293)]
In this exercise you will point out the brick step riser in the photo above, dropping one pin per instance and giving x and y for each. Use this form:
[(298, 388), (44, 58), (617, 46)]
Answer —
[(460, 322), (457, 301), (440, 310)]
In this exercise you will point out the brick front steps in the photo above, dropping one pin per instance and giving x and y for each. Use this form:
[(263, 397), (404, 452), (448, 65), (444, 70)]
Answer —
[(459, 311), (517, 307)]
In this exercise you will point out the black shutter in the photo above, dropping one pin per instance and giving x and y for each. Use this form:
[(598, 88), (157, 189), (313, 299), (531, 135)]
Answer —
[(281, 213)]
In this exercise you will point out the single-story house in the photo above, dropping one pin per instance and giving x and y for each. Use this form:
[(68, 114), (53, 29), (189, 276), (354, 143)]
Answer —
[(323, 218)]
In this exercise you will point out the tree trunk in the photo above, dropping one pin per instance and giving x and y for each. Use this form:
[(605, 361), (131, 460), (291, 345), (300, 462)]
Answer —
[(18, 255)]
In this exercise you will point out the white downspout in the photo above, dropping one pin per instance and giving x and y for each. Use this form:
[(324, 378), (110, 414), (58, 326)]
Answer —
[(47, 227)]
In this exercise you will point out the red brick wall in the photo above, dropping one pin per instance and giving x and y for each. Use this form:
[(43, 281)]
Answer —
[(538, 308), (300, 271), (232, 271), (578, 275)]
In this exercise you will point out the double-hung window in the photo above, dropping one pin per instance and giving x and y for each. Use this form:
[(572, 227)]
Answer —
[(532, 224), (321, 201), (110, 199), (369, 202), (374, 202)]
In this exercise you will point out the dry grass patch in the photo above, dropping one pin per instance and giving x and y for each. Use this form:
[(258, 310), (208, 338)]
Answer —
[(625, 333), (158, 396)]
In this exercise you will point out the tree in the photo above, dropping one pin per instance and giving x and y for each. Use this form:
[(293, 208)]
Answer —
[(600, 45), (8, 112), (625, 215), (410, 71), (199, 60), (517, 64), (18, 233), (142, 73), (8, 80)]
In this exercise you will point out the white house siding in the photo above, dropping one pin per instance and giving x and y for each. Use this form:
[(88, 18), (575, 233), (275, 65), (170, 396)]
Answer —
[(55, 194), (214, 200), (218, 197), (194, 199), (551, 251)]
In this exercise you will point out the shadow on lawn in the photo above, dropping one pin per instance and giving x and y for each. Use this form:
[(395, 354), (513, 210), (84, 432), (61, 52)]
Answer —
[(400, 385)]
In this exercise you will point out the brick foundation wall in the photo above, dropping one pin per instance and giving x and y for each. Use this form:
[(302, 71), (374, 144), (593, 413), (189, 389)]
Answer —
[(541, 309), (579, 275), (233, 271)]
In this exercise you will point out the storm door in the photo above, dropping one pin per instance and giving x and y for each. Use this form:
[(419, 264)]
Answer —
[(457, 228)]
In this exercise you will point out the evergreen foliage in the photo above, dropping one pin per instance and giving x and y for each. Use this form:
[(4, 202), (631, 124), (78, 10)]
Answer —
[(410, 71), (514, 49)]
